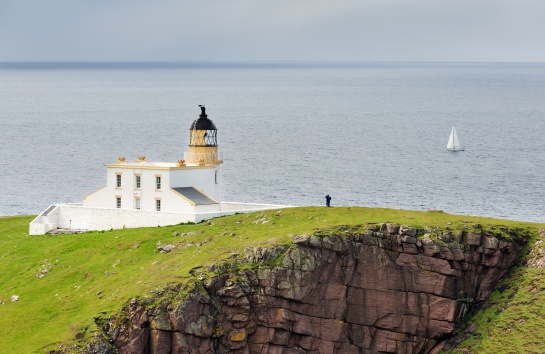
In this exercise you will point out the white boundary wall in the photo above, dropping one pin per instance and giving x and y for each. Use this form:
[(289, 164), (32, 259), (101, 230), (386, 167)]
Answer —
[(83, 218)]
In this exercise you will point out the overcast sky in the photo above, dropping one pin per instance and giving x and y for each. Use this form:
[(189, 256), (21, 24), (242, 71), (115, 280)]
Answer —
[(274, 30)]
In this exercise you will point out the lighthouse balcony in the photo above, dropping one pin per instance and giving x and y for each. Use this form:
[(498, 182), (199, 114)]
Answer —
[(207, 158)]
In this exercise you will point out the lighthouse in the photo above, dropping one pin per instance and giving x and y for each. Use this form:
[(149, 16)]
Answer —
[(144, 193), (190, 185), (203, 148)]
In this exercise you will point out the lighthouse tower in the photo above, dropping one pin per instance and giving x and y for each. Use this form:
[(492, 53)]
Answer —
[(203, 141), (203, 149)]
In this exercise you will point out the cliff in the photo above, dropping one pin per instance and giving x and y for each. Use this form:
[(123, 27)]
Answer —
[(385, 288)]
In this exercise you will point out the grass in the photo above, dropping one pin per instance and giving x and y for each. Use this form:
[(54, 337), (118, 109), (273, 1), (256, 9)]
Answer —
[(513, 319), (64, 282)]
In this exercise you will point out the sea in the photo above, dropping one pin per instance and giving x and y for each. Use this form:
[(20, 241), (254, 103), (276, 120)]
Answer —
[(370, 134)]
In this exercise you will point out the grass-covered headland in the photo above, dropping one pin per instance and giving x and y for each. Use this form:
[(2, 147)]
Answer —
[(64, 282)]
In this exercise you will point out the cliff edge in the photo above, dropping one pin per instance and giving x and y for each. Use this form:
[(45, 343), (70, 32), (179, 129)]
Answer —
[(380, 289)]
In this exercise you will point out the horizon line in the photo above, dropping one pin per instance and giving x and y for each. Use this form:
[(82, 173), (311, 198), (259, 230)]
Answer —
[(144, 63)]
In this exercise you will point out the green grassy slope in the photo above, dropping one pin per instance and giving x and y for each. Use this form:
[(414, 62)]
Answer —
[(93, 274), (513, 320)]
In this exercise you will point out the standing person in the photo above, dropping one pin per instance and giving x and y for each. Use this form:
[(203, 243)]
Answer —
[(327, 200)]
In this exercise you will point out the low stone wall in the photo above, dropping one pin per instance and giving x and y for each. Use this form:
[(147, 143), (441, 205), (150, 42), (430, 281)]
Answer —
[(84, 218), (382, 290)]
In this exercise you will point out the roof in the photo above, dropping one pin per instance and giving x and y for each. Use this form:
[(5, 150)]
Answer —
[(195, 195), (203, 123), (146, 165)]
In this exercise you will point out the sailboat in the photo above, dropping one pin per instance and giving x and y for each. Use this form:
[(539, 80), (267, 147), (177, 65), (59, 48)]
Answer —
[(453, 142)]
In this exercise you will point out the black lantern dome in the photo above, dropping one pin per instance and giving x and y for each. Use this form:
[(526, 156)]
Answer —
[(203, 123), (203, 131)]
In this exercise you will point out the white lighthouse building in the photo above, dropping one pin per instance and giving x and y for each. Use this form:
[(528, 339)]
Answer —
[(191, 185), (144, 193)]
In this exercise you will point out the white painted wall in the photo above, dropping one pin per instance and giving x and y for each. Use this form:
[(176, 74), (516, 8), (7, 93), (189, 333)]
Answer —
[(78, 217), (173, 202), (100, 198), (201, 177), (83, 218)]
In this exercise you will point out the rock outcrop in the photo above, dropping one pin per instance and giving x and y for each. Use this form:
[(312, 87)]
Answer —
[(380, 290)]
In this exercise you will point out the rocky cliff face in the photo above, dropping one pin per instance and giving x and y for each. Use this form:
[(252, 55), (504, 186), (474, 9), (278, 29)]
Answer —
[(380, 290)]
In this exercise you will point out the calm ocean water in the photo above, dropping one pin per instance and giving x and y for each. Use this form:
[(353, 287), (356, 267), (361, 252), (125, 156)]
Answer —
[(371, 134)]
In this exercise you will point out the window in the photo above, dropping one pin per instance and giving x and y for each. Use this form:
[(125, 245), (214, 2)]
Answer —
[(118, 178), (158, 182), (216, 177), (158, 204), (137, 181), (137, 203), (118, 202)]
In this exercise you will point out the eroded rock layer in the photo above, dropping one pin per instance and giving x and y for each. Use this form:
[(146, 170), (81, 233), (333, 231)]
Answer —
[(383, 290)]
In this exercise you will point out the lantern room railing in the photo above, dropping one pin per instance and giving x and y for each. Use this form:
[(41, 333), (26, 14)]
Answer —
[(203, 157)]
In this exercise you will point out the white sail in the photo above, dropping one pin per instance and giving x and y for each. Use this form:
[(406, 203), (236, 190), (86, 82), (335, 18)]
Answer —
[(450, 144), (453, 142)]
